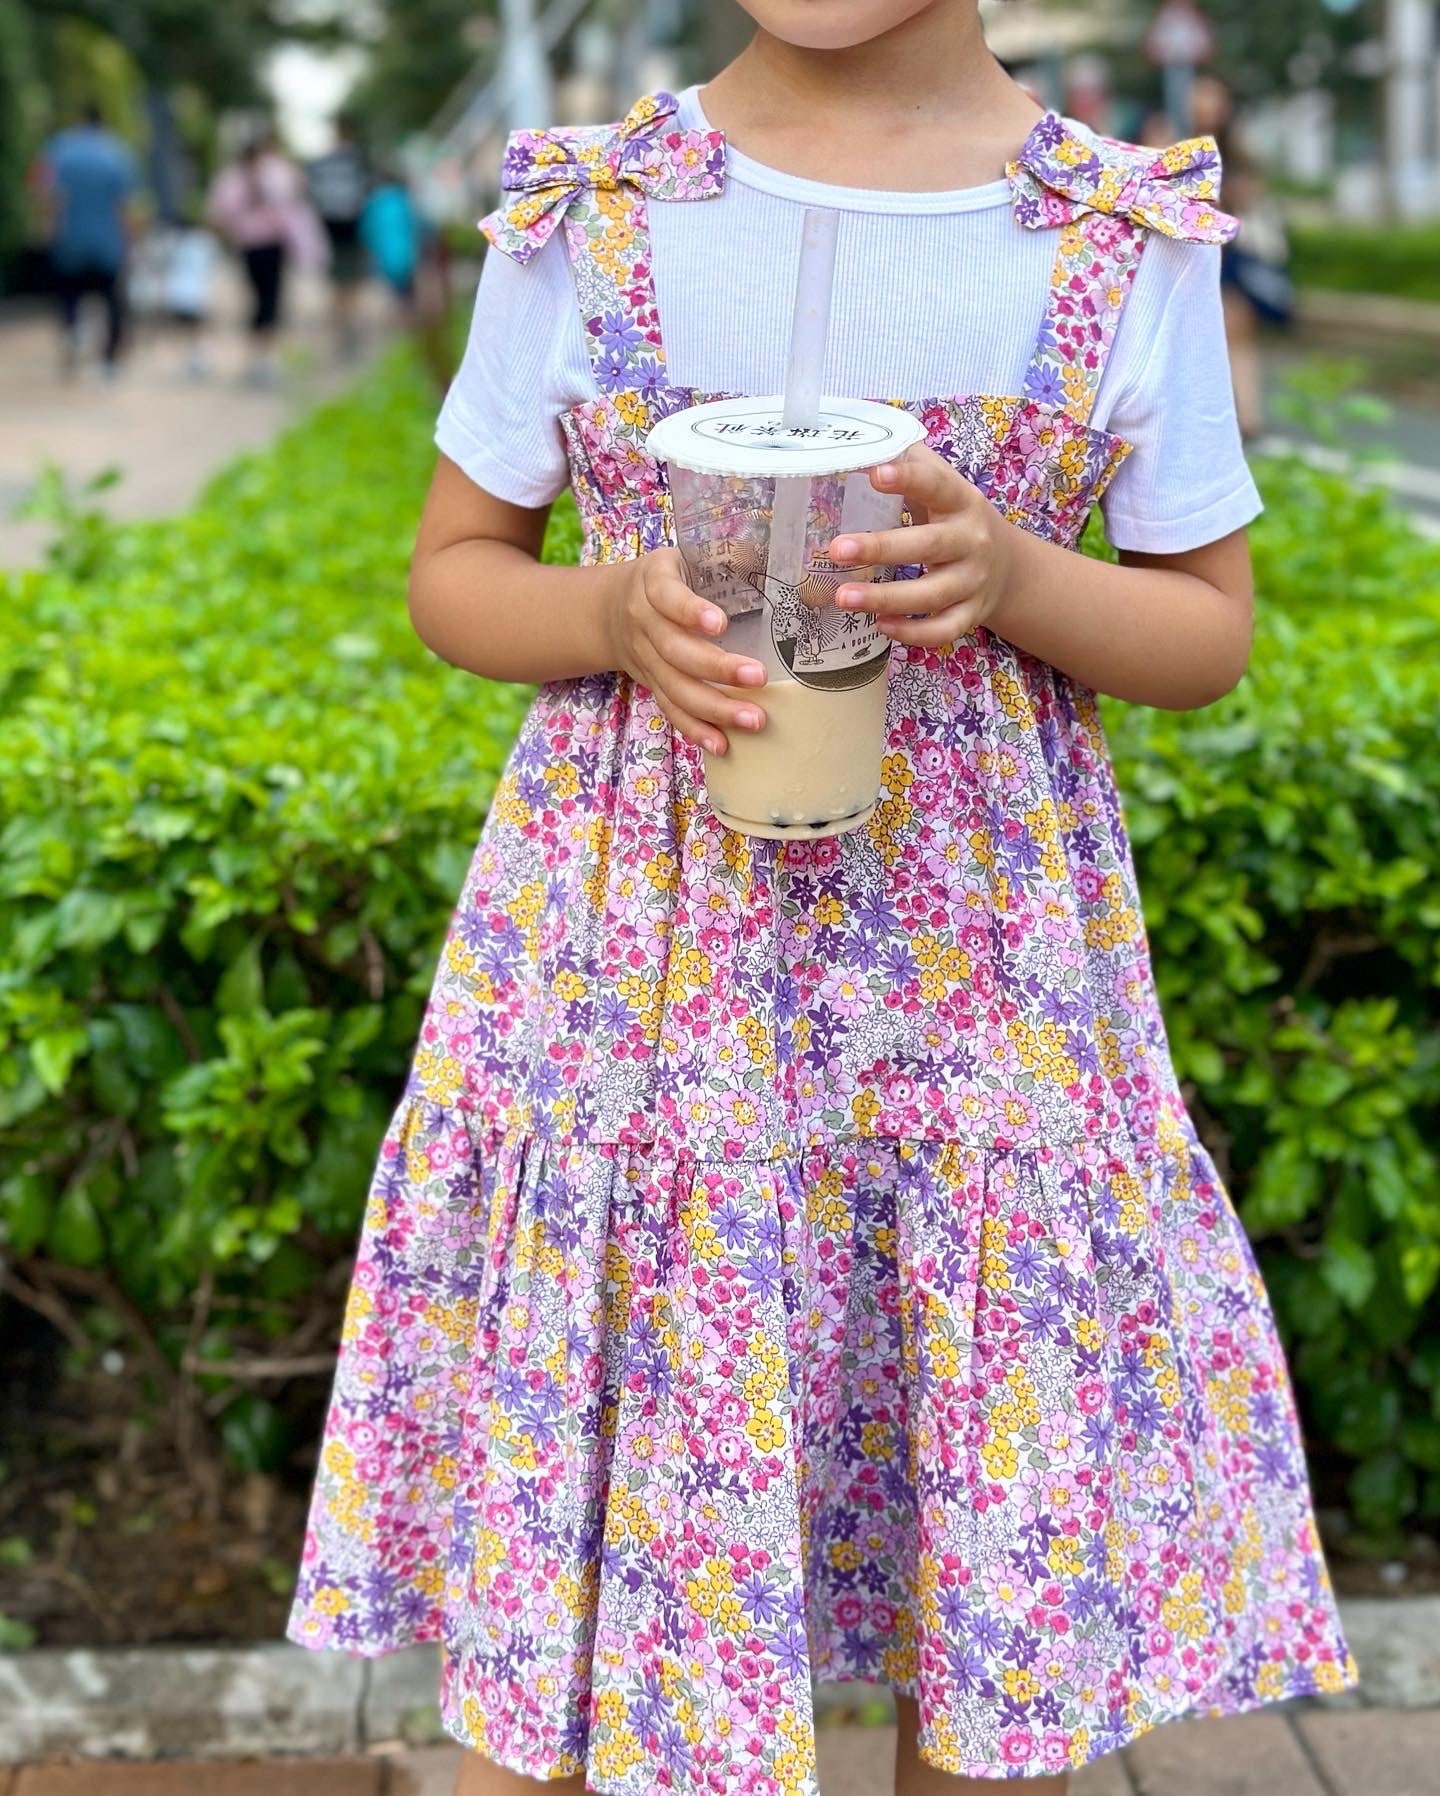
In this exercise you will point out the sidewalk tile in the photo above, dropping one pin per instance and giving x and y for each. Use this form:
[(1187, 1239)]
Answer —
[(856, 1761), (1246, 1755), (1380, 1751), (430, 1771), (1106, 1777), (276, 1777)]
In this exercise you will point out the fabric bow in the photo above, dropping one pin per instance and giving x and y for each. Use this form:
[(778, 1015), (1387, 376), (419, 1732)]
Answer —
[(544, 171), (1059, 175)]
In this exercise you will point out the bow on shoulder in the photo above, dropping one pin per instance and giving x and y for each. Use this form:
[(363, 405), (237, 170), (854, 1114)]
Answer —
[(1059, 175), (545, 171)]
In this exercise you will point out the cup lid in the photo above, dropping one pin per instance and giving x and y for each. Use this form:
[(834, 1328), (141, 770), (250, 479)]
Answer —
[(749, 438)]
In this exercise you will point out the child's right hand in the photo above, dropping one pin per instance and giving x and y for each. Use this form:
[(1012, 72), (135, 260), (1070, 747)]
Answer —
[(659, 628)]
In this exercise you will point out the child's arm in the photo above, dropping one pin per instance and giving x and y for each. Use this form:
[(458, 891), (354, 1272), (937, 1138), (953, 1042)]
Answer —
[(1165, 630), (480, 598)]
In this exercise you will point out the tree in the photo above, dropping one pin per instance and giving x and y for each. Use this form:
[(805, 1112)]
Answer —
[(424, 50), (1263, 50)]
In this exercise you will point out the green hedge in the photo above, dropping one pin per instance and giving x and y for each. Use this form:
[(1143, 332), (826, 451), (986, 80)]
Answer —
[(236, 803), (1402, 261), (1287, 842)]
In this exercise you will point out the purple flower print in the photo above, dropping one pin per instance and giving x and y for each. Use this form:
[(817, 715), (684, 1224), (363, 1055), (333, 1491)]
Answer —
[(616, 334), (1043, 384)]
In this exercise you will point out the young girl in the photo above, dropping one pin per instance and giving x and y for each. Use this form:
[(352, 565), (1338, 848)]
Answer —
[(796, 1261)]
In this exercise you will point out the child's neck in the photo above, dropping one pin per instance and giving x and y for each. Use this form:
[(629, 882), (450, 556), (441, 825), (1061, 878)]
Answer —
[(924, 107)]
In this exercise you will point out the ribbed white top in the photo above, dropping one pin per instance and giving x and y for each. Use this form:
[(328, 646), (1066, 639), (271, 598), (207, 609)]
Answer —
[(936, 294)]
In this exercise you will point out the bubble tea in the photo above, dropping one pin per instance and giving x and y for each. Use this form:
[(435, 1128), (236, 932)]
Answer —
[(757, 503)]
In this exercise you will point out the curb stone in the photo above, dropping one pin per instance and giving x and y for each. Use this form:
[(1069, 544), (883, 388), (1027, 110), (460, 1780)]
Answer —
[(214, 1702)]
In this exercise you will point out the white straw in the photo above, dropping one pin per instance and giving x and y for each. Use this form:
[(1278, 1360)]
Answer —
[(804, 372), (810, 321)]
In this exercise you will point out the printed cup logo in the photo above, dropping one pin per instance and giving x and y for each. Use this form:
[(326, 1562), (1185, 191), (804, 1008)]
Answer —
[(822, 646), (770, 430)]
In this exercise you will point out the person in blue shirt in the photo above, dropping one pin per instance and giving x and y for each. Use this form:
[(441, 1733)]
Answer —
[(89, 179), (394, 233)]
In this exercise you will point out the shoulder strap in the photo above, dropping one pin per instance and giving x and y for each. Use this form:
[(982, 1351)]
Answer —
[(1104, 196), (597, 180), (1095, 264)]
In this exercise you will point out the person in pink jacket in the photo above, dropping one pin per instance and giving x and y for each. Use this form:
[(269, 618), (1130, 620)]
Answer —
[(258, 203)]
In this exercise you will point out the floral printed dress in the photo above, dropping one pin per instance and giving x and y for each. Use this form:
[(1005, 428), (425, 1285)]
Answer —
[(795, 1261)]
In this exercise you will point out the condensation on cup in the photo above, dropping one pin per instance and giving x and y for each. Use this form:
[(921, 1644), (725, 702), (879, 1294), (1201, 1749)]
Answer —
[(757, 503)]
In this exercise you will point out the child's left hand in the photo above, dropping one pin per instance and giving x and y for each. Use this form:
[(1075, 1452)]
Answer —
[(959, 537)]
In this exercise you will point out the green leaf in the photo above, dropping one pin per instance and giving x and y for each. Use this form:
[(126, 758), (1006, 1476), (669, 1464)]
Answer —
[(76, 1236), (25, 1206), (255, 1436), (55, 1053), (241, 991), (1349, 1269)]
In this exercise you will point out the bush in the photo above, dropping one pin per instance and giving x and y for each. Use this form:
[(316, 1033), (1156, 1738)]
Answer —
[(1402, 261), (1287, 842), (237, 799)]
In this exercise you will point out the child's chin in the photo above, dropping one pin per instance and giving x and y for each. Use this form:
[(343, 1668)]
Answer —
[(831, 24)]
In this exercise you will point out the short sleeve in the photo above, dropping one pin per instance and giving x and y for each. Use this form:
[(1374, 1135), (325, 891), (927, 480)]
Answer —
[(524, 364), (1185, 482)]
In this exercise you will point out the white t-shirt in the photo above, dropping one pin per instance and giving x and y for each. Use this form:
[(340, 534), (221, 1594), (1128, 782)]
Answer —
[(936, 294)]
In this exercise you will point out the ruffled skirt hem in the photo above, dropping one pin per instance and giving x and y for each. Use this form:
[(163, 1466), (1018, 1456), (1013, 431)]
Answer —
[(647, 1442)]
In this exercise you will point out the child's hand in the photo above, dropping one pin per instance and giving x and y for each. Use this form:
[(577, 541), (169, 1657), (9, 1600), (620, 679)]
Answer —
[(658, 627), (963, 542)]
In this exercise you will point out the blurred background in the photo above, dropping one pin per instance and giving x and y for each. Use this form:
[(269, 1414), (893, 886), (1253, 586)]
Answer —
[(237, 799)]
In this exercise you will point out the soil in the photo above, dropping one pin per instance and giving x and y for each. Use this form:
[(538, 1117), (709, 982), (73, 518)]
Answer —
[(110, 1535)]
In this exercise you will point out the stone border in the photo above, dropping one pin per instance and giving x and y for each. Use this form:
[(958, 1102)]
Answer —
[(216, 1702)]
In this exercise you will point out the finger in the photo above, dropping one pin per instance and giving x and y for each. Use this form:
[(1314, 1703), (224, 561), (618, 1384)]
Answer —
[(935, 591), (931, 632), (653, 676), (924, 478), (895, 548), (692, 654), (702, 700), (673, 599)]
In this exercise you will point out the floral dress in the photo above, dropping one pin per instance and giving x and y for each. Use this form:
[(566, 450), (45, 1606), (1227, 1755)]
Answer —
[(794, 1262)]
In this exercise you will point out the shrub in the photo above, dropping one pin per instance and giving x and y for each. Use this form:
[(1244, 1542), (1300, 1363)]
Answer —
[(1402, 261), (237, 799), (1287, 842), (236, 803)]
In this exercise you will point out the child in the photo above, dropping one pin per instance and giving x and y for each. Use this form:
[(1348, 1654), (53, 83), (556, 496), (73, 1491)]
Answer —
[(191, 263), (797, 1261)]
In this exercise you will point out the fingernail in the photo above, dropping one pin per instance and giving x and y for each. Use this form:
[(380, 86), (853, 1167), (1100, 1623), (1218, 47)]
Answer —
[(750, 673), (845, 548), (887, 472), (851, 597), (714, 746), (714, 620), (749, 720)]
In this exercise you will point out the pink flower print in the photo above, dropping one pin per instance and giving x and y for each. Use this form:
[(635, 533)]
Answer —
[(1015, 1118), (1007, 1591), (1017, 1746), (1055, 1751), (843, 994)]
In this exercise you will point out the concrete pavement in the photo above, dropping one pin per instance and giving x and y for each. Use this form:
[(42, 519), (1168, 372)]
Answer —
[(167, 433), (1300, 1752)]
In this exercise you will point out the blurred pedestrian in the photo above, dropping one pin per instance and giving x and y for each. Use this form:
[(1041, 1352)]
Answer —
[(87, 179), (340, 183), (192, 257), (258, 203), (393, 234), (1255, 285)]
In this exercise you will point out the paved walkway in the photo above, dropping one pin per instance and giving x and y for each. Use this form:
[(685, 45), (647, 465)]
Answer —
[(168, 434), (1302, 1752)]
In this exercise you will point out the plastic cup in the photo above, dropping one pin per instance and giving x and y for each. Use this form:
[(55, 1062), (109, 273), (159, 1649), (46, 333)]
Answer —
[(757, 503)]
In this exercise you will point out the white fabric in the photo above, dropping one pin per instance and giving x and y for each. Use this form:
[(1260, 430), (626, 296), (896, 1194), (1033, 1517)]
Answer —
[(937, 294)]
